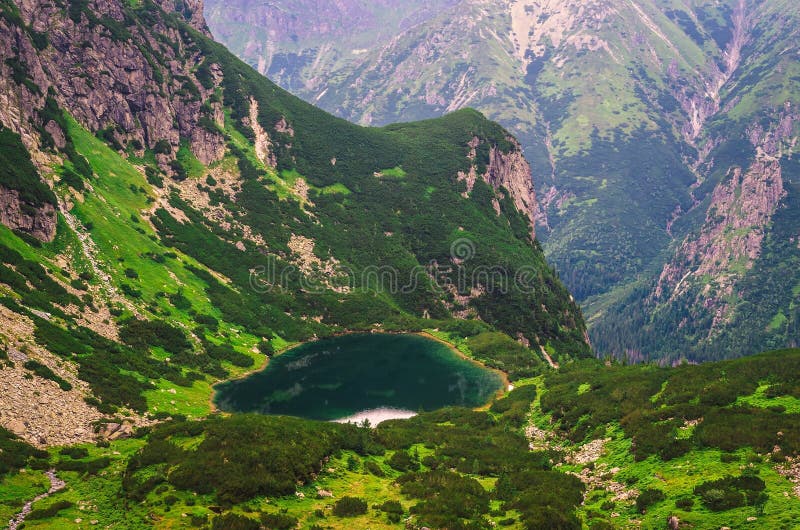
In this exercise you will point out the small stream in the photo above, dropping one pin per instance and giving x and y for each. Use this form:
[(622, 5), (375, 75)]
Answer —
[(56, 484)]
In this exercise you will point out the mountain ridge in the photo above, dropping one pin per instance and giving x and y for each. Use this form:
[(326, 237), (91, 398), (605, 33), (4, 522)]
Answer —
[(631, 114)]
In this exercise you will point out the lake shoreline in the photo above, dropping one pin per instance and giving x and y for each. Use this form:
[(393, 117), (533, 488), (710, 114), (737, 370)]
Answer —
[(245, 375), (454, 348), (424, 334)]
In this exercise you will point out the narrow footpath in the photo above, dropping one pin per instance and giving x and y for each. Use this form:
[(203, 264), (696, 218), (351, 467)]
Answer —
[(56, 484)]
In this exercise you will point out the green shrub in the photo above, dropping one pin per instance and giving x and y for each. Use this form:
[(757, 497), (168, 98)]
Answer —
[(232, 521), (392, 507), (730, 492), (162, 147), (179, 171), (50, 511), (154, 177), (349, 507), (78, 285), (144, 334), (374, 468), (647, 498), (498, 350), (130, 291), (46, 373), (226, 352), (278, 521), (89, 467), (393, 510), (108, 136), (675, 449), (40, 40), (179, 301), (266, 348), (72, 179), (445, 497), (75, 453), (15, 453), (402, 461), (207, 321)]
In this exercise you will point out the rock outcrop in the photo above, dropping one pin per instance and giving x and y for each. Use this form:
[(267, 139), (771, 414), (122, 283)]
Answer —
[(261, 140), (97, 71), (38, 221), (708, 265), (511, 171), (506, 172), (36, 409), (192, 11)]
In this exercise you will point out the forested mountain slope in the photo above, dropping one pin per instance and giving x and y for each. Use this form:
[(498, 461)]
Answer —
[(201, 218), (639, 118)]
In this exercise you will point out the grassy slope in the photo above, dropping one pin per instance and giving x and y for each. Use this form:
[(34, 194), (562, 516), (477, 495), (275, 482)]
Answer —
[(676, 477), (137, 269), (119, 193)]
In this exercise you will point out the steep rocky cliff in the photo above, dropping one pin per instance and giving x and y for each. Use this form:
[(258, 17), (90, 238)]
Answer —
[(507, 172), (123, 76), (38, 221), (730, 286), (511, 172), (26, 203)]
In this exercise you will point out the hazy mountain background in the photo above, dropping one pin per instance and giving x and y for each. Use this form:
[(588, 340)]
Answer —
[(662, 137)]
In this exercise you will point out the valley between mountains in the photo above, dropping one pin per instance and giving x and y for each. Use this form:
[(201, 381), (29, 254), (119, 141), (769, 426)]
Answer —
[(172, 220), (662, 137)]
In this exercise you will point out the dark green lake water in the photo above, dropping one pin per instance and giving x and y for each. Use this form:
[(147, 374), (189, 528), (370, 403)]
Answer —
[(377, 376)]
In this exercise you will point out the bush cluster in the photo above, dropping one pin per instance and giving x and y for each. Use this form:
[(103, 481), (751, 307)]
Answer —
[(731, 492), (349, 507), (240, 457), (653, 403)]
